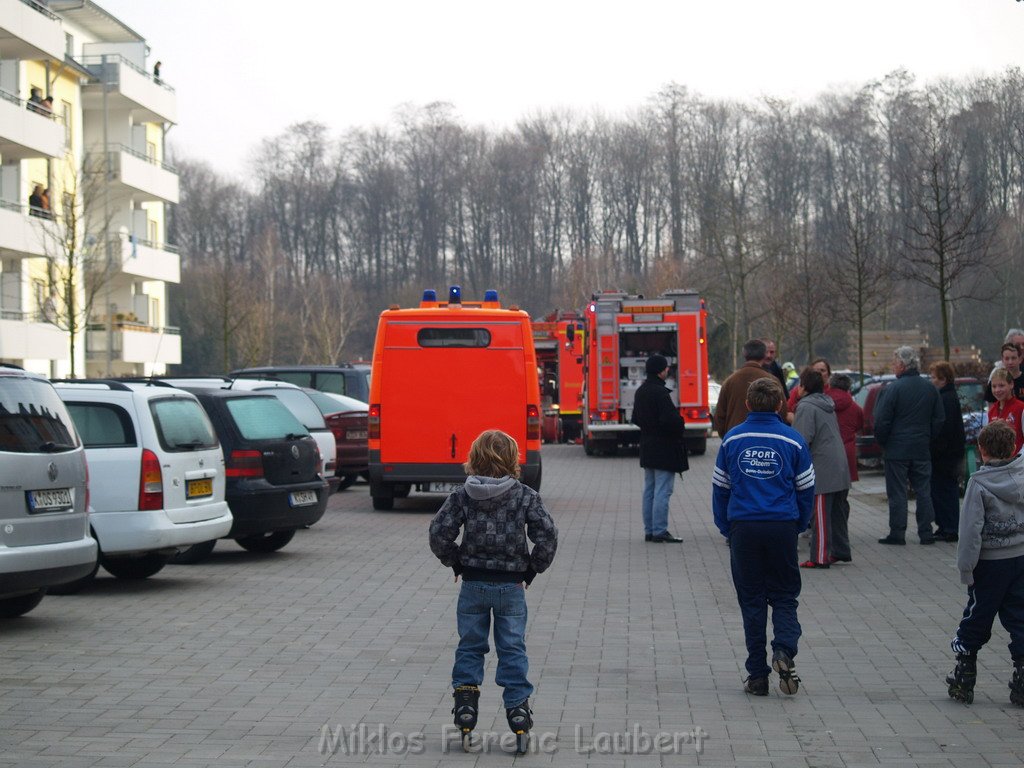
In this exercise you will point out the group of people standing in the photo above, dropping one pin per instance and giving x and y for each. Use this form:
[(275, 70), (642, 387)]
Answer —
[(772, 481)]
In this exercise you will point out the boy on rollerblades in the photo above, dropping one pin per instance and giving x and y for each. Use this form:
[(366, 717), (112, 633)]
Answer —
[(496, 514), (990, 558)]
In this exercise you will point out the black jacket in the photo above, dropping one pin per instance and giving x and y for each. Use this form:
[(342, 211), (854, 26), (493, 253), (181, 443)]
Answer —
[(661, 427), (948, 445), (908, 416)]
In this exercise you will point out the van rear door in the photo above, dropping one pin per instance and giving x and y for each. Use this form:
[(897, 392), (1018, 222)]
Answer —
[(447, 381)]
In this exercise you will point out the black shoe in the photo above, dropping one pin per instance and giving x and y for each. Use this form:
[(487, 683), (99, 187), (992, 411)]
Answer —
[(925, 540), (952, 538), (756, 686), (789, 682), (666, 538), (648, 537), (893, 540)]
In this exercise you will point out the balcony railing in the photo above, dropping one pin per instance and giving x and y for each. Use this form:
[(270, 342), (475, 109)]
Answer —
[(95, 64), (143, 156), (41, 9), (22, 316), (35, 107), (135, 240), (135, 325)]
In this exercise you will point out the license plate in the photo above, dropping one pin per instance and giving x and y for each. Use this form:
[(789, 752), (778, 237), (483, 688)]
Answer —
[(444, 487), (302, 498), (195, 488), (356, 434), (45, 501)]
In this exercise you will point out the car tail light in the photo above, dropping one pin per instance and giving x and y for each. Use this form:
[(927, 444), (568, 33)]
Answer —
[(245, 464), (532, 422), (373, 422), (695, 414), (151, 482)]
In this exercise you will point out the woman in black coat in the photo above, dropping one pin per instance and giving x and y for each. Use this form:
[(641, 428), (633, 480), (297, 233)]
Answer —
[(662, 449), (947, 454)]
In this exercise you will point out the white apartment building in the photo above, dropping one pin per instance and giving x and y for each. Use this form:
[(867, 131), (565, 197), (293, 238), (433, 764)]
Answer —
[(84, 276)]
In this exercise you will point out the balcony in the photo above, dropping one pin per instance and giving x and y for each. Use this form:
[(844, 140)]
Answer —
[(21, 235), (27, 133), (137, 176), (26, 336), (29, 31), (148, 260), (134, 343), (128, 87)]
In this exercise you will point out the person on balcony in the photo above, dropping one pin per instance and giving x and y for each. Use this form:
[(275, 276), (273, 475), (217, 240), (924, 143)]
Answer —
[(156, 73), (35, 202)]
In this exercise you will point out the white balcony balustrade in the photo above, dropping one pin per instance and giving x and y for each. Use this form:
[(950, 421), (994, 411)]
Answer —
[(28, 130), (30, 31)]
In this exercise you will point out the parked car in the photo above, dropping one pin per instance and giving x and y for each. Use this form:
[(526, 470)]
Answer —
[(348, 379), (970, 390), (157, 473), (296, 400), (44, 498), (272, 465), (347, 419)]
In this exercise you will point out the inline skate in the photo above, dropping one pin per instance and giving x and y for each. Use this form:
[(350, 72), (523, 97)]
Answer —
[(467, 699), (520, 722), (963, 677)]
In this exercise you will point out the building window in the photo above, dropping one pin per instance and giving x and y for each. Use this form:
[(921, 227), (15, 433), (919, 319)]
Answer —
[(154, 313), (153, 232), (69, 44), (151, 151)]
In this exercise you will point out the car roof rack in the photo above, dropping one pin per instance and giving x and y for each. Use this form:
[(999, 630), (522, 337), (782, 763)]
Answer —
[(151, 381), (111, 383)]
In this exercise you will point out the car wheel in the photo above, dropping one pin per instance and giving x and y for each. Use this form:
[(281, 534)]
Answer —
[(266, 542), (588, 446), (194, 554), (698, 447), (76, 586), (12, 607), (347, 481), (134, 568), (365, 476), (536, 481), (383, 503)]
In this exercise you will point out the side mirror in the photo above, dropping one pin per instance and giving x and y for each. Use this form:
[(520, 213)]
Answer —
[(570, 333)]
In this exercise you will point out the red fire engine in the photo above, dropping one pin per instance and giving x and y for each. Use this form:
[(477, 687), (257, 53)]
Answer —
[(622, 331), (558, 339)]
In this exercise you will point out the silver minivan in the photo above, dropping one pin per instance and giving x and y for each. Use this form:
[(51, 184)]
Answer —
[(44, 527)]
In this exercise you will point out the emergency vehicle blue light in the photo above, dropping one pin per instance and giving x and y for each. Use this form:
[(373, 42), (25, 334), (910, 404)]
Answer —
[(455, 295), (430, 295), (490, 295)]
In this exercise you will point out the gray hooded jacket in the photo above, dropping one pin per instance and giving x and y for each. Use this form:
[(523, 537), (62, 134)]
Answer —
[(992, 517), (497, 515), (816, 421)]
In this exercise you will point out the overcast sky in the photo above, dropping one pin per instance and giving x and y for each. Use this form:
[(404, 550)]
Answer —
[(246, 69)]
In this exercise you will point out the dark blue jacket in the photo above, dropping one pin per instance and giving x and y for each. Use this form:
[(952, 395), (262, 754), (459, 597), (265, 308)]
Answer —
[(763, 472), (908, 416)]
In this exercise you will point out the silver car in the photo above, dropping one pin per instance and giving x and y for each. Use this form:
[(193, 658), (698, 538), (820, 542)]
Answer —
[(44, 527)]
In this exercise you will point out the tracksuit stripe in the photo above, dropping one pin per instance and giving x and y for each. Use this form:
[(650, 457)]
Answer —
[(819, 514)]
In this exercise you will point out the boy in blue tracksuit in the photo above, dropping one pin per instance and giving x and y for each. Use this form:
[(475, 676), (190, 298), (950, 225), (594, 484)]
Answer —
[(763, 496)]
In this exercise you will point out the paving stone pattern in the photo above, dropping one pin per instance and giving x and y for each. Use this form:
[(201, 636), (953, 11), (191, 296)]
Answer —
[(243, 660)]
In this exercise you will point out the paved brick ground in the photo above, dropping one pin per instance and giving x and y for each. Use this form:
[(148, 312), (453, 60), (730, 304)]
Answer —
[(241, 661)]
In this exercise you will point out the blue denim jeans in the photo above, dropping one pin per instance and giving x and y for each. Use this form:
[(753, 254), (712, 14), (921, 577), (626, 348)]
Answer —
[(477, 600), (657, 491)]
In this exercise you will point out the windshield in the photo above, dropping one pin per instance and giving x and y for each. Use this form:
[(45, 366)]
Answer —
[(33, 418), (264, 418), (298, 402), (182, 424), (329, 403)]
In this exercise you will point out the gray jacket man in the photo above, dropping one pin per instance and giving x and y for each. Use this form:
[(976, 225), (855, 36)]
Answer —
[(908, 416)]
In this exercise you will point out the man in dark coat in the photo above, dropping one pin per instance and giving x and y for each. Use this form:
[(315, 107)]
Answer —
[(908, 416), (662, 451)]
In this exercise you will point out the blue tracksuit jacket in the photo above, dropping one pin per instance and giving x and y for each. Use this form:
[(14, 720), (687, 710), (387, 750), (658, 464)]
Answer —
[(763, 472)]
